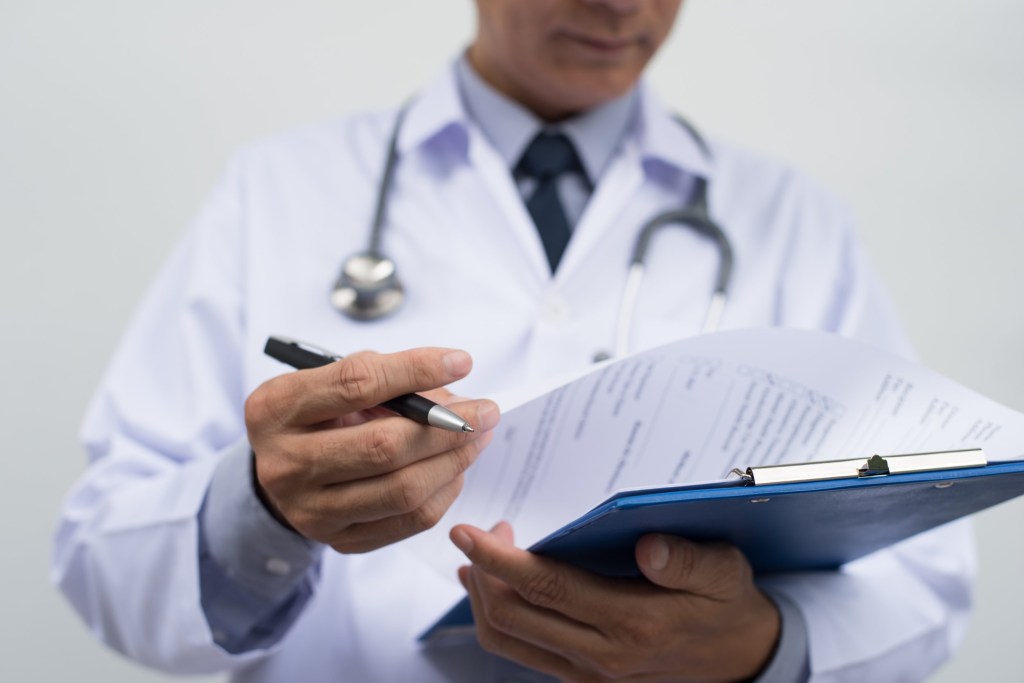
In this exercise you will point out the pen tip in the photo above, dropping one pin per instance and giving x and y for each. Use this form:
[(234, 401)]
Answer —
[(467, 428)]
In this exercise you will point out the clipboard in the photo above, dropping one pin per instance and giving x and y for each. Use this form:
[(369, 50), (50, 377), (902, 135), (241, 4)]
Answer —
[(801, 517)]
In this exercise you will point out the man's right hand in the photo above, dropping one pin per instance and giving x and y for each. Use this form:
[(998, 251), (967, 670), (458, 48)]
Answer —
[(356, 477)]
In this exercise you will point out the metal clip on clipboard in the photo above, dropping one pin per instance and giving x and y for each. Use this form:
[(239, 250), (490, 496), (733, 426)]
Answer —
[(875, 466)]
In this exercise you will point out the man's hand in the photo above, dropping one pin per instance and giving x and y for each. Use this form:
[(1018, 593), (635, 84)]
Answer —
[(698, 617), (354, 477)]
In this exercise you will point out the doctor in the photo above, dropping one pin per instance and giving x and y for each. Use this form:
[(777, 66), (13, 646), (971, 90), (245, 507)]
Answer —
[(234, 518)]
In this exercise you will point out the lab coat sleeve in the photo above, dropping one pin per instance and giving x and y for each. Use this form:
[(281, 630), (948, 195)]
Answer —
[(897, 614), (126, 547)]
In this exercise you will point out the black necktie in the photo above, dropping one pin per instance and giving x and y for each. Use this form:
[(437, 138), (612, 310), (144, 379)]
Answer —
[(547, 157)]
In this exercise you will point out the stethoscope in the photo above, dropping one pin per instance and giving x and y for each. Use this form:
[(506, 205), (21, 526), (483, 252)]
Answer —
[(368, 287)]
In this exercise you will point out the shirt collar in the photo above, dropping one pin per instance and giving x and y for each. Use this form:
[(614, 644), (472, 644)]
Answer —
[(436, 114), (444, 110), (510, 127), (664, 141), (506, 124)]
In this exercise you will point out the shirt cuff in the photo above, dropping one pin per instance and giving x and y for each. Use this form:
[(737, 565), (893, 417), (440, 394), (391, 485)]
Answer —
[(791, 661), (255, 575)]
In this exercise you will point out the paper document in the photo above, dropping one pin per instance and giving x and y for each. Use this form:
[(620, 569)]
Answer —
[(694, 409)]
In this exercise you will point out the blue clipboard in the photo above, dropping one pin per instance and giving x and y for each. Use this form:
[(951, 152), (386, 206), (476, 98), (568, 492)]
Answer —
[(781, 527)]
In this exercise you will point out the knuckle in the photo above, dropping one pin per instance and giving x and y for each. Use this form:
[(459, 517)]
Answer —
[(426, 517), (357, 378), (349, 546), (313, 517), (685, 559), (354, 540), (544, 589), (324, 453), (461, 458), (404, 491), (279, 470), (488, 640), (501, 617), (733, 558), (637, 632), (735, 570), (268, 403), (423, 370), (254, 409), (432, 511), (383, 446), (271, 473), (454, 489), (305, 522), (611, 666)]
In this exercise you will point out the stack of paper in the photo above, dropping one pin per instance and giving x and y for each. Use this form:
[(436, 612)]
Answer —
[(692, 410)]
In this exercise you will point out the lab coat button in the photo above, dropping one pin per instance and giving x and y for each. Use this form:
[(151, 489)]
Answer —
[(277, 566), (555, 311)]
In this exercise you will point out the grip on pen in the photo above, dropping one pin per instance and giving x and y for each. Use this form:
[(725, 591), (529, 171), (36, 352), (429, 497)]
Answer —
[(412, 406)]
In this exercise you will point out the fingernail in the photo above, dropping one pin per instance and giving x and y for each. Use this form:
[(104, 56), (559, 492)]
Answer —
[(657, 554), (488, 416), (457, 363), (462, 540)]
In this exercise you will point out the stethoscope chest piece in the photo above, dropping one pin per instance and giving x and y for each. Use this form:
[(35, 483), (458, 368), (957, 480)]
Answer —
[(368, 287)]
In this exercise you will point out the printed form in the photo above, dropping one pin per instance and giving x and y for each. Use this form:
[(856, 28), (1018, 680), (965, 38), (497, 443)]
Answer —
[(692, 410)]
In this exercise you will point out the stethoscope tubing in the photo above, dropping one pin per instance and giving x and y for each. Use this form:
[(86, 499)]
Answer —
[(695, 217), (362, 298)]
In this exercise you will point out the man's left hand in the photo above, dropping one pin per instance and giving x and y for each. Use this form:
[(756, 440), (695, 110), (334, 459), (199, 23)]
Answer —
[(697, 617)]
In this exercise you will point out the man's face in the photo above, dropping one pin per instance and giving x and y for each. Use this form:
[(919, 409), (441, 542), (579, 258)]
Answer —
[(559, 57)]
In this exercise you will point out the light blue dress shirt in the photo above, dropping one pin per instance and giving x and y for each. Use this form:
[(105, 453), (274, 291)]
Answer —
[(255, 575)]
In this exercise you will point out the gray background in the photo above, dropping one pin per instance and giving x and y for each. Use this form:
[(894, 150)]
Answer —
[(116, 116)]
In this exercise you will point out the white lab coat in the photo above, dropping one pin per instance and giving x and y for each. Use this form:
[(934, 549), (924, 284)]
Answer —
[(261, 258)]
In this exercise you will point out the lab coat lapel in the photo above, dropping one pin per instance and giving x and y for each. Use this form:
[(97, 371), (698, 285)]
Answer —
[(498, 179), (658, 138), (439, 107), (604, 211)]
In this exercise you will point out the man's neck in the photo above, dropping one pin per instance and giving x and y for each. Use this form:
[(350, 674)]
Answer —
[(510, 125)]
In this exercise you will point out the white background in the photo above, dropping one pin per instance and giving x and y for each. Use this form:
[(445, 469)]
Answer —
[(116, 116)]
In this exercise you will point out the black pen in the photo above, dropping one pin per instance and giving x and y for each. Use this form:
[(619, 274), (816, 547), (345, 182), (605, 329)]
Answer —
[(303, 356)]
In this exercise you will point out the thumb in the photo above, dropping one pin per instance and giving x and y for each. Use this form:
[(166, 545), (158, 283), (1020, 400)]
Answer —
[(503, 530), (676, 563)]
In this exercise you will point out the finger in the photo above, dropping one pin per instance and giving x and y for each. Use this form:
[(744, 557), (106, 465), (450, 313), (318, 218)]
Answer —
[(509, 613), (545, 583), (601, 667), (361, 538), (400, 492), (714, 570), (358, 382), (442, 396), (509, 647), (377, 447)]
